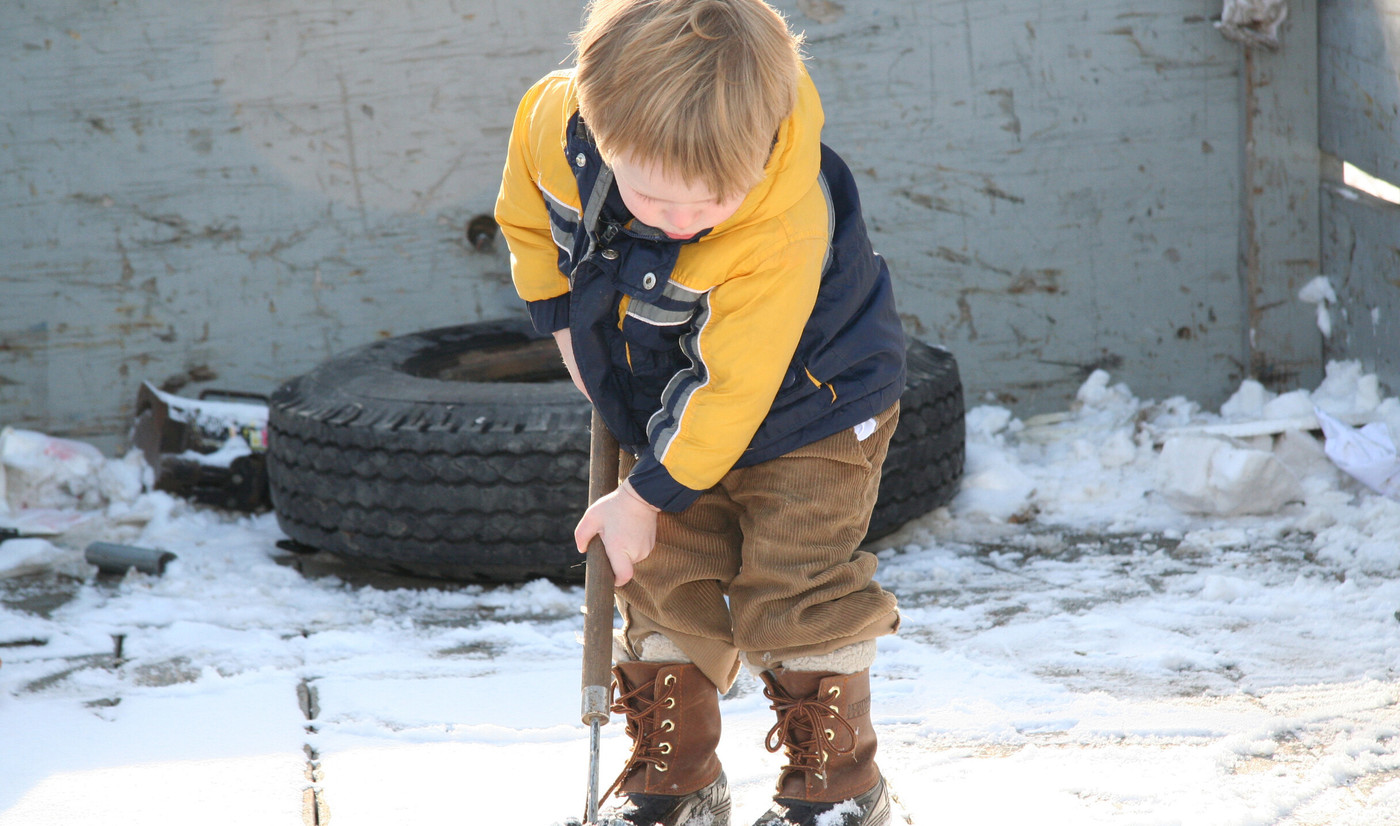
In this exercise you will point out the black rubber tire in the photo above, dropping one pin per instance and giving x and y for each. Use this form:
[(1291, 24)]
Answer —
[(924, 465), (381, 456), (396, 456)]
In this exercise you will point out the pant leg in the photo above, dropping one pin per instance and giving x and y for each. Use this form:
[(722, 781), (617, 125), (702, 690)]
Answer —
[(804, 589), (779, 539), (679, 590)]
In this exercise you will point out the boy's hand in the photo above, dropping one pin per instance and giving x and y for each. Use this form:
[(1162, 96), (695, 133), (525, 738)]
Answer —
[(627, 525), (566, 350)]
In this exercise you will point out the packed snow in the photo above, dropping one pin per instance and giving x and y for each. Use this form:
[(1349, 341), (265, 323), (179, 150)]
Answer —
[(1319, 291), (1135, 612)]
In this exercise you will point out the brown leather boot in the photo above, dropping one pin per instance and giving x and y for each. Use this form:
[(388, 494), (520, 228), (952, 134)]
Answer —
[(673, 775), (824, 725)]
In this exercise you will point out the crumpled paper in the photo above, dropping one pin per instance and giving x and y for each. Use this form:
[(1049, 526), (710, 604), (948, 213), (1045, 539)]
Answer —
[(1253, 22), (1367, 453)]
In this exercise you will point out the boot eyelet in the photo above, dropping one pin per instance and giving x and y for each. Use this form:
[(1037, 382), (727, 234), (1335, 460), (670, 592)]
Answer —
[(663, 766), (835, 710), (670, 678), (834, 691), (665, 748), (668, 725), (830, 735), (670, 702)]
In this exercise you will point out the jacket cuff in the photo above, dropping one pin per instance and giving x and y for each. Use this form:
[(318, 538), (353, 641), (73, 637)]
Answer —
[(653, 482), (549, 315)]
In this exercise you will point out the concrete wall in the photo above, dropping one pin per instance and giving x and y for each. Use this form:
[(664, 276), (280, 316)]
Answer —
[(1359, 67), (1054, 185), (221, 194)]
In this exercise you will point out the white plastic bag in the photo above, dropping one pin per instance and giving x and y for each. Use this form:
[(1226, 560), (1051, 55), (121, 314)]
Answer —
[(1367, 453)]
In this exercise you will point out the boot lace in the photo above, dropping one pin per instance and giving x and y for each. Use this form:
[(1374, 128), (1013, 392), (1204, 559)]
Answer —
[(642, 728), (810, 728)]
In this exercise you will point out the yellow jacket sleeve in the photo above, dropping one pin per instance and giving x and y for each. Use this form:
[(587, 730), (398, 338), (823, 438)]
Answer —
[(523, 215)]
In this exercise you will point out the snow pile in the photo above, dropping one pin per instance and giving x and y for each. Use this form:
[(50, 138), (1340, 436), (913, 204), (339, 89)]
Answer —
[(1256, 457), (41, 471), (26, 557), (1204, 474), (1319, 291), (993, 483)]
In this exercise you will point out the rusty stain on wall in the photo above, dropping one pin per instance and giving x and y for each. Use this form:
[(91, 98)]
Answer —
[(1279, 236)]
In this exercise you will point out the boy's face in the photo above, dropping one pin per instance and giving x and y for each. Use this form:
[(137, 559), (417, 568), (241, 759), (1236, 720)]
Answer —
[(673, 206)]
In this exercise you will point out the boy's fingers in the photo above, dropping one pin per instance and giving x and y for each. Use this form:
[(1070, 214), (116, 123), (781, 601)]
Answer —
[(585, 532), (622, 569)]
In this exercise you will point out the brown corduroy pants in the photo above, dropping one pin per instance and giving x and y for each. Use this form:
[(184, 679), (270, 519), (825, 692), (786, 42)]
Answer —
[(765, 562)]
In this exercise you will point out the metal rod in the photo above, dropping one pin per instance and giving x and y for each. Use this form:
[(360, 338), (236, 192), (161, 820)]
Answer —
[(598, 608), (594, 738)]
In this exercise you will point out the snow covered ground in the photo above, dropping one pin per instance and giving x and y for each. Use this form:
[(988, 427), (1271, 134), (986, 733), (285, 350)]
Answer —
[(1137, 612)]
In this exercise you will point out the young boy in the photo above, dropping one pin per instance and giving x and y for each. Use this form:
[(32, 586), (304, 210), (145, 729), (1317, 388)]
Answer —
[(700, 257)]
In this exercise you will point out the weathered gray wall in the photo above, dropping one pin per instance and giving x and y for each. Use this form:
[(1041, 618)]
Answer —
[(1359, 67), (1279, 245), (226, 193), (1055, 185)]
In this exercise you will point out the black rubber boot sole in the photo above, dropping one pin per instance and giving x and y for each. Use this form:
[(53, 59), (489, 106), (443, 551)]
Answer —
[(869, 809), (708, 807)]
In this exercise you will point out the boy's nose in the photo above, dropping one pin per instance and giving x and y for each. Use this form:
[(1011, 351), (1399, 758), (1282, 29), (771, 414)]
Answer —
[(681, 219)]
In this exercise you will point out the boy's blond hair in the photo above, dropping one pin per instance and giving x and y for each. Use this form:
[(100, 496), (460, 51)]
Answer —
[(697, 88)]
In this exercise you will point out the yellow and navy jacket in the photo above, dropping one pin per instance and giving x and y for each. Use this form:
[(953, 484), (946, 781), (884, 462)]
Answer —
[(768, 332)]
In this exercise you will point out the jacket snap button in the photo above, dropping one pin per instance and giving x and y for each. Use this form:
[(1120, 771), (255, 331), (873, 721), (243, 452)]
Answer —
[(580, 160), (649, 281), (610, 254)]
